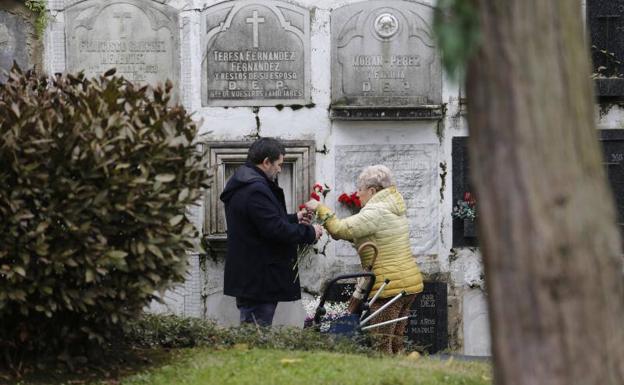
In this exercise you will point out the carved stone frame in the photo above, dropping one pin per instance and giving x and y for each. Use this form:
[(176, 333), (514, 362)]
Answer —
[(299, 153)]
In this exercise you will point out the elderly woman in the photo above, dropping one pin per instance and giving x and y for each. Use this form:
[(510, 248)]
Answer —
[(382, 221)]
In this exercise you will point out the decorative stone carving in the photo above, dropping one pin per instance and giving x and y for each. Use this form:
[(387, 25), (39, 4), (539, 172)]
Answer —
[(18, 42), (255, 53), (140, 38), (385, 65)]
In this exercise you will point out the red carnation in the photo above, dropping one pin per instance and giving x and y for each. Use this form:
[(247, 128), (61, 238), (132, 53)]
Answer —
[(302, 206), (318, 187), (344, 198), (315, 196)]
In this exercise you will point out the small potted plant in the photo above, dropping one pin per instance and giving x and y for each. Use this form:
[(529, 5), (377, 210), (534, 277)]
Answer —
[(466, 210)]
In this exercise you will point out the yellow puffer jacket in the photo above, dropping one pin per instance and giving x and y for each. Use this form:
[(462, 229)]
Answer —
[(381, 221)]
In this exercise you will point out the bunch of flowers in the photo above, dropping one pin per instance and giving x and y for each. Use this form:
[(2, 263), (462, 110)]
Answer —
[(334, 310), (466, 208), (303, 251), (352, 201)]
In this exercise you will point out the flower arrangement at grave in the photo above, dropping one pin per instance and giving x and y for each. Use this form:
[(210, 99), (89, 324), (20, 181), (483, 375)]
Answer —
[(351, 201), (333, 311), (467, 208), (318, 190)]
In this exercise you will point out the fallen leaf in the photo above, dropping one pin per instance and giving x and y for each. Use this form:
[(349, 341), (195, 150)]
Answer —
[(290, 360)]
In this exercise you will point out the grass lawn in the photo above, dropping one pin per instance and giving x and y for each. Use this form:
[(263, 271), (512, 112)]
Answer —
[(240, 366)]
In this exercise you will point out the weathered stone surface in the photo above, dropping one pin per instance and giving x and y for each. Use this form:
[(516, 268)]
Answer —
[(415, 169), (17, 39), (255, 53), (184, 299), (476, 324), (140, 38), (384, 56)]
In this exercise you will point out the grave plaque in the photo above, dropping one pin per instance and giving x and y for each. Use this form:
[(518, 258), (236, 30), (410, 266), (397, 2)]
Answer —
[(612, 142), (606, 27), (17, 39), (140, 38), (384, 62), (427, 328), (415, 168), (255, 53)]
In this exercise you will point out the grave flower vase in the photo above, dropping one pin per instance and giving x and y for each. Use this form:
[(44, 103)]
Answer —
[(470, 228)]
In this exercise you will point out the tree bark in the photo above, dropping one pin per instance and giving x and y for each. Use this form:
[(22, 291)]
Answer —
[(551, 247)]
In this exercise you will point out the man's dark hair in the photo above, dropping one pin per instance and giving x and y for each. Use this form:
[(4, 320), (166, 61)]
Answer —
[(265, 148)]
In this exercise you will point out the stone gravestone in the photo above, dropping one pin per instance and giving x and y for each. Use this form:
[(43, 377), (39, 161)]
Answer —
[(140, 38), (384, 62), (415, 168), (461, 184), (612, 142), (255, 53), (427, 328), (606, 28), (18, 42)]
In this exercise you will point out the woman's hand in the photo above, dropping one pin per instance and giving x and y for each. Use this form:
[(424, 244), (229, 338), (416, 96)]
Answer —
[(312, 204)]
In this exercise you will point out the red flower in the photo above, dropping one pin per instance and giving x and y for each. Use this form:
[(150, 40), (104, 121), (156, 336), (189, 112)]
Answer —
[(302, 206), (357, 202), (344, 198), (315, 196), (469, 198), (318, 188)]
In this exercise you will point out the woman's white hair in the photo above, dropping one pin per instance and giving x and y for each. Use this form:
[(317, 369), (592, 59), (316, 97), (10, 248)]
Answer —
[(378, 176)]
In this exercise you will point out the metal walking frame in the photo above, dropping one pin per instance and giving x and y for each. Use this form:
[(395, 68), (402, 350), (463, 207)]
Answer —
[(354, 323)]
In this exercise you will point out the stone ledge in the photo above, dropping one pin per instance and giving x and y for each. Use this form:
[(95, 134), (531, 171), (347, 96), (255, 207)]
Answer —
[(433, 112)]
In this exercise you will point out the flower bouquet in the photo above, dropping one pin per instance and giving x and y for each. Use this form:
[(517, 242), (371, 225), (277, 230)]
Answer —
[(466, 210), (318, 191)]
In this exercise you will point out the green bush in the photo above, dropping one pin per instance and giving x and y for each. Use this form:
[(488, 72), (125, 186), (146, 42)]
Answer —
[(95, 178), (170, 331)]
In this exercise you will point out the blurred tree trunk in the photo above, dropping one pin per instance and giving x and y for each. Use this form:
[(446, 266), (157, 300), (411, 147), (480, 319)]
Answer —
[(551, 248)]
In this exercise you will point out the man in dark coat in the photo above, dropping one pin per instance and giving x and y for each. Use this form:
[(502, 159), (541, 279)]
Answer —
[(262, 238)]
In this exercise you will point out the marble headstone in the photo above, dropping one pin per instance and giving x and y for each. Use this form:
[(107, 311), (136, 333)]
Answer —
[(415, 168), (140, 38), (427, 327), (612, 142), (605, 20), (18, 42), (384, 57), (255, 53)]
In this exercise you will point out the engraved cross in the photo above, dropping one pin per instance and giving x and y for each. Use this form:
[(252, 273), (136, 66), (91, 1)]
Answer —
[(255, 20), (123, 16)]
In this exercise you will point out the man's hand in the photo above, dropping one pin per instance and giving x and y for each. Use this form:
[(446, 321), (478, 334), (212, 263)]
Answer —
[(319, 230), (305, 217)]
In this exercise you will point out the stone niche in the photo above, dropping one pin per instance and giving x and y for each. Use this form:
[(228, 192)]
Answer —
[(255, 53), (415, 168), (605, 19), (385, 65), (464, 235), (296, 179), (18, 40), (140, 38)]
